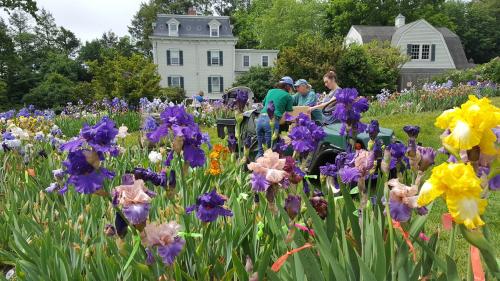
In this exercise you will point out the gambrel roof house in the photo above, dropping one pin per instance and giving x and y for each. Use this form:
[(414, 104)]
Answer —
[(431, 50), (198, 53)]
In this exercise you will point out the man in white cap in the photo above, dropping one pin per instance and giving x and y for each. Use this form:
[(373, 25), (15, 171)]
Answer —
[(305, 96)]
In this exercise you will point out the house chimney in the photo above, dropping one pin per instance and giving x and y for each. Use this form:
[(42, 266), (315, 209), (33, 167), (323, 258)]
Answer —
[(192, 11), (400, 21)]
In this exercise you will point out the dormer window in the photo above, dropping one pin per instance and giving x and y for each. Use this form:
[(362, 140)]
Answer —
[(173, 27), (214, 31), (214, 28)]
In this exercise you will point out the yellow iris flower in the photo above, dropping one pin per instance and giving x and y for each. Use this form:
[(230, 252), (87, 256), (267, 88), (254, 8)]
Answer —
[(460, 186), (470, 125)]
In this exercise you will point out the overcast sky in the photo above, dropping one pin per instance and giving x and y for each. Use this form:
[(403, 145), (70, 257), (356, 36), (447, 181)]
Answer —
[(88, 19)]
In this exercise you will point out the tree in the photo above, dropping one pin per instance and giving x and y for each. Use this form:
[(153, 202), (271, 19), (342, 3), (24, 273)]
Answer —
[(67, 42), (61, 64), (285, 20), (28, 6), (479, 35), (309, 59), (46, 31), (259, 79), (129, 78), (53, 92), (369, 68)]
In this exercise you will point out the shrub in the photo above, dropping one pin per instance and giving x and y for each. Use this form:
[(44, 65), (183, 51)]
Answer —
[(55, 91), (175, 95), (485, 72), (259, 79)]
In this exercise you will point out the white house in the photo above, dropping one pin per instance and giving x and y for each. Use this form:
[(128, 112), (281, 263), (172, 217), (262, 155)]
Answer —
[(198, 53), (431, 50)]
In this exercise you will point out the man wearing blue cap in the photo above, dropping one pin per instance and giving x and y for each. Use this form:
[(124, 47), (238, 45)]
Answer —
[(282, 101), (305, 96)]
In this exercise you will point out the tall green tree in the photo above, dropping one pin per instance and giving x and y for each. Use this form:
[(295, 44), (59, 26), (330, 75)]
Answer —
[(67, 42), (129, 78), (285, 20), (46, 30)]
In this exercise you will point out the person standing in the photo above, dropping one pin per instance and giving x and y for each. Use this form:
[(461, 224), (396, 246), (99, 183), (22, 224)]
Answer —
[(305, 96), (282, 102)]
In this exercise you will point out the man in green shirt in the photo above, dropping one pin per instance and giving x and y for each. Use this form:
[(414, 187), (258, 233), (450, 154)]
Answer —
[(305, 96), (282, 102)]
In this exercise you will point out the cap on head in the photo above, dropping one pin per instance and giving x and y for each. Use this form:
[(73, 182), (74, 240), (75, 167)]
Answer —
[(287, 80), (301, 82)]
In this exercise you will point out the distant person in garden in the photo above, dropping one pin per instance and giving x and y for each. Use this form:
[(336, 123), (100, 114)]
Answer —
[(305, 96), (198, 99), (330, 80), (276, 103)]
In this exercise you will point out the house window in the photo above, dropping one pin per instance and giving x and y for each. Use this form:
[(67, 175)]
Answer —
[(172, 29), (174, 57), (214, 31), (214, 57), (265, 61), (215, 84), (246, 61), (176, 82), (426, 49), (415, 52)]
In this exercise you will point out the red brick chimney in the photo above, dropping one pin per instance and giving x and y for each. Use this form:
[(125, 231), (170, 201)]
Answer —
[(192, 11)]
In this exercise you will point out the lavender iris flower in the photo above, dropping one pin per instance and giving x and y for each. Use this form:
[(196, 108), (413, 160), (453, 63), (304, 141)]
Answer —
[(149, 124), (136, 213), (209, 206), (428, 155), (329, 170), (399, 211), (412, 131), (398, 151), (349, 175), (259, 182), (170, 251)]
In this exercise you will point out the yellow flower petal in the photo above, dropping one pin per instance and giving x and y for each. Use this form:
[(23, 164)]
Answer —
[(444, 120), (428, 193), (487, 143), (462, 136), (466, 210)]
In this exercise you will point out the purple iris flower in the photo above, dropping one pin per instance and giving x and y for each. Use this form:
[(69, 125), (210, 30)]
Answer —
[(428, 155), (398, 151), (136, 213), (100, 137), (149, 124), (270, 109), (8, 136), (176, 119), (209, 206), (399, 211), (422, 211), (349, 108), (373, 129), (170, 157), (84, 176), (259, 182), (232, 142), (147, 175), (150, 259), (377, 148), (349, 175), (24, 112), (494, 183), (329, 170), (292, 205), (241, 99), (412, 131), (306, 134), (170, 251), (120, 225)]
